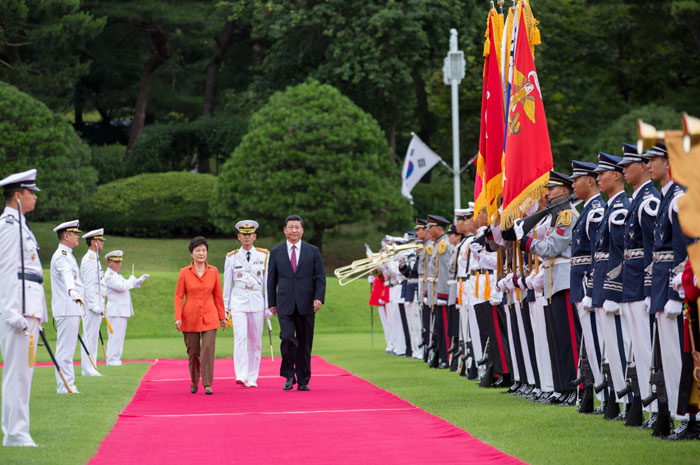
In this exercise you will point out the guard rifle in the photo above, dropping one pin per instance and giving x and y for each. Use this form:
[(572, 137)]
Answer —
[(635, 417), (657, 389), (486, 360)]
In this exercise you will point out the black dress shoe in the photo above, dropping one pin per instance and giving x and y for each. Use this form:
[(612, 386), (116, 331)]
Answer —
[(686, 430), (288, 384), (303, 387), (193, 389), (208, 391), (650, 422), (443, 365), (600, 410)]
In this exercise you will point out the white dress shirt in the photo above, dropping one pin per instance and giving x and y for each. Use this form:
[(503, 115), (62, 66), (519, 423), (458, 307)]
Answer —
[(289, 252)]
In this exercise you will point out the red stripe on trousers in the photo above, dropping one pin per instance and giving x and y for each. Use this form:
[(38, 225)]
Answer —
[(444, 319), (572, 328), (501, 350)]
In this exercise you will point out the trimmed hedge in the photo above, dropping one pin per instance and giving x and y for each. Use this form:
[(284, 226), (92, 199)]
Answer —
[(32, 136), (171, 204)]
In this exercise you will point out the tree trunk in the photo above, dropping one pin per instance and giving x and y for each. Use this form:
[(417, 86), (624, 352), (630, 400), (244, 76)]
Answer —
[(317, 238), (160, 56), (425, 120), (213, 68)]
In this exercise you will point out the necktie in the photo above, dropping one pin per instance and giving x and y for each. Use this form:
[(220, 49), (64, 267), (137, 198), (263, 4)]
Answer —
[(247, 256), (294, 258)]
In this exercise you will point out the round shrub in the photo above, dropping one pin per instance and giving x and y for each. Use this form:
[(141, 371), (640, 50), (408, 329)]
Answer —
[(151, 205), (32, 136)]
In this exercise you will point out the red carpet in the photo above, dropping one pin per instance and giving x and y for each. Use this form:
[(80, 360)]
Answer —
[(342, 420)]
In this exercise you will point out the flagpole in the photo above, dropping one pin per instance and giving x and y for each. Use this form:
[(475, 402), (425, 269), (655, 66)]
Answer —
[(511, 61), (453, 73)]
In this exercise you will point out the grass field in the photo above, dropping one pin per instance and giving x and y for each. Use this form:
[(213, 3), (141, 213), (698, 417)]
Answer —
[(69, 429)]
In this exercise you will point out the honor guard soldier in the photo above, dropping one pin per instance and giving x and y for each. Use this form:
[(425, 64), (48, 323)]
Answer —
[(562, 321), (119, 307), (582, 249), (455, 238), (22, 305), (408, 267), (67, 299), (423, 299), (95, 292), (610, 250), (638, 254), (245, 297), (465, 225), (437, 274), (666, 305)]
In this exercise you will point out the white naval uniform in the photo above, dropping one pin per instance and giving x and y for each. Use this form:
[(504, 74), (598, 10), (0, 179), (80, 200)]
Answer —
[(91, 274), (14, 344), (394, 278), (65, 277), (245, 296), (119, 309)]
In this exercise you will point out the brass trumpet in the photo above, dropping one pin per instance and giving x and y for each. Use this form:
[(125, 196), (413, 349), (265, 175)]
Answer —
[(362, 267)]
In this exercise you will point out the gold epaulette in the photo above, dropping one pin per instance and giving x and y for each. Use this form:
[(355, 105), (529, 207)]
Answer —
[(442, 247), (231, 252), (429, 250), (565, 217), (260, 249)]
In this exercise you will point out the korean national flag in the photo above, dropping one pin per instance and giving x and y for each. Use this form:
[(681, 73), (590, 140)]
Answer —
[(419, 160)]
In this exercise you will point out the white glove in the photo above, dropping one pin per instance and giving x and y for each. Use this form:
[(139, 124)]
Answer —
[(381, 302), (611, 307), (97, 310), (142, 279), (425, 300), (538, 281), (268, 313), (647, 304), (370, 278), (681, 293), (476, 248), (587, 303), (518, 228), (496, 298), (17, 321), (509, 282), (673, 308), (500, 285), (528, 280), (387, 283), (695, 281), (677, 282), (442, 302)]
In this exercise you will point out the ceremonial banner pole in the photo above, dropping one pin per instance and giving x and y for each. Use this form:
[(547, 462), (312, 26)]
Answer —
[(453, 73)]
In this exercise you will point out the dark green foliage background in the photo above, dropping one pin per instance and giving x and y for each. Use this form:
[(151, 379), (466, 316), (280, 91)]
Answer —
[(31, 136), (151, 205)]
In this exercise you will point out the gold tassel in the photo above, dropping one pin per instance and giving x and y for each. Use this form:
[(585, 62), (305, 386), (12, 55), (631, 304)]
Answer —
[(476, 288), (487, 287), (459, 292), (32, 355)]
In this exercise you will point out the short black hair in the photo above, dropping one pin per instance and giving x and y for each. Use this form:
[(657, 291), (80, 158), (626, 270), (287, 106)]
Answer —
[(293, 218), (9, 192), (197, 241), (88, 241)]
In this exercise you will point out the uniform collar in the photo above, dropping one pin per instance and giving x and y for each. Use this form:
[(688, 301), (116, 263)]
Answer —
[(666, 188), (591, 200), (636, 191), (66, 248), (13, 212), (614, 197)]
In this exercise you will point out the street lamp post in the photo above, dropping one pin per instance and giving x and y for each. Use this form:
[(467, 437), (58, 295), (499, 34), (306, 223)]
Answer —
[(453, 72)]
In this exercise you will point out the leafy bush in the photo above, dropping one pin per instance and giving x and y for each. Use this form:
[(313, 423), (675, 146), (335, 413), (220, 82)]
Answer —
[(310, 151), (175, 146), (31, 136), (108, 160), (151, 205)]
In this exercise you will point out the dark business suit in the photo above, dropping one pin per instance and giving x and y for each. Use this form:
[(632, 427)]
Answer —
[(293, 293)]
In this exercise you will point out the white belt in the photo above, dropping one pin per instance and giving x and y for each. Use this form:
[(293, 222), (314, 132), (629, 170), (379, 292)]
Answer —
[(634, 254), (581, 260), (556, 261), (430, 280), (413, 281), (247, 287), (662, 256), (601, 256)]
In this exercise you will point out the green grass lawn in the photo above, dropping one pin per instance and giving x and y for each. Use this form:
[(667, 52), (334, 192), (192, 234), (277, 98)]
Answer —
[(69, 429)]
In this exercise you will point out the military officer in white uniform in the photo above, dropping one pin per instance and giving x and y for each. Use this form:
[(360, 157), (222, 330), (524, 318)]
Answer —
[(245, 297), (95, 291), (119, 308), (22, 305), (67, 299)]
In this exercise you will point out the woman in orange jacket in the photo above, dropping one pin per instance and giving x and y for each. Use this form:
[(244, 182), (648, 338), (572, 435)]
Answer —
[(201, 313)]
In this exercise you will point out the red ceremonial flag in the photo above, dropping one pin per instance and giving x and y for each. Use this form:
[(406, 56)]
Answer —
[(528, 154), (487, 190)]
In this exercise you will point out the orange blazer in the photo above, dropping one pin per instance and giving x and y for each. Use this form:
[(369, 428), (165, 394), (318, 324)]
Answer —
[(203, 300)]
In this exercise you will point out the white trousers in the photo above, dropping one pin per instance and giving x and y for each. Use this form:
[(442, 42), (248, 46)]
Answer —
[(115, 342), (539, 330), (247, 344), (670, 345), (529, 373), (587, 318), (386, 327), (16, 382), (637, 320), (414, 325), (91, 336), (394, 314), (613, 348), (474, 332), (67, 328)]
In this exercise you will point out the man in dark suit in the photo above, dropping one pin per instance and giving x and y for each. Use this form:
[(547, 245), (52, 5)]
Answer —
[(296, 284)]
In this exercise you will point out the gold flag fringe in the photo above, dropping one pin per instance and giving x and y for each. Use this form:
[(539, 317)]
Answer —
[(523, 201), (480, 202)]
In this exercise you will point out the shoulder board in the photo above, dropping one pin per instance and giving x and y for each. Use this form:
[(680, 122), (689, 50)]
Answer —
[(442, 247), (91, 256), (565, 217), (9, 219), (429, 249), (64, 252), (231, 252), (260, 249), (596, 204)]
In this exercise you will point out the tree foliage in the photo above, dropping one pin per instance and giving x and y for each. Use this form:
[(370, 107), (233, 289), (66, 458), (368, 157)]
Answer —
[(312, 152), (31, 136)]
